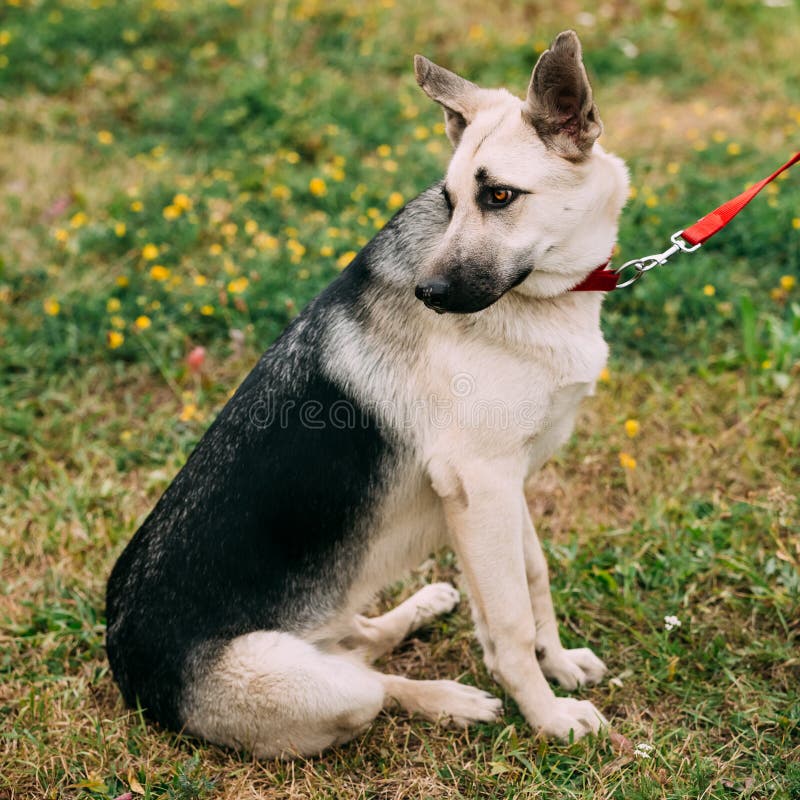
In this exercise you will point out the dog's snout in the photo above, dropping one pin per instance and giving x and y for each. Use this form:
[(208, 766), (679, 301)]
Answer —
[(433, 293)]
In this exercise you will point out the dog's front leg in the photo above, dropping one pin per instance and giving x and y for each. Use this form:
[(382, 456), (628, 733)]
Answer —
[(571, 668), (482, 504)]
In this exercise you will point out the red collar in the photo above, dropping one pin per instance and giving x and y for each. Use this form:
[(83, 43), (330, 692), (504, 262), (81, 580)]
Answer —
[(599, 279)]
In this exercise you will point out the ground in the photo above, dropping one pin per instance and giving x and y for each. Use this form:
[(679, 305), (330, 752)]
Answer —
[(189, 175)]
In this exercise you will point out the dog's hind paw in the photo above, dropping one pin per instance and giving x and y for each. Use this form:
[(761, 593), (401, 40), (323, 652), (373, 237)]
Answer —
[(572, 668), (434, 600)]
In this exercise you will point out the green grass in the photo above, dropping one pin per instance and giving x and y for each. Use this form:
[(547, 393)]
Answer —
[(225, 113)]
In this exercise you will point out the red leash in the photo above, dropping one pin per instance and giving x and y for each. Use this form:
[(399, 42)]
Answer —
[(602, 279)]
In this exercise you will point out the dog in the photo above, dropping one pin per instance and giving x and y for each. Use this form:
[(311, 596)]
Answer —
[(400, 412)]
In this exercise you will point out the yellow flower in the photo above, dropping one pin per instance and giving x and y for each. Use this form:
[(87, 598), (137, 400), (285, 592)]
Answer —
[(709, 290), (263, 241), (188, 412), (215, 249), (114, 339), (627, 461), (200, 280), (142, 322), (292, 157), (158, 272), (5, 38), (206, 310), (238, 285), (651, 201), (51, 307), (149, 252), (421, 132), (734, 149), (105, 137), (326, 251), (250, 227), (303, 274), (631, 428), (317, 187), (61, 236), (137, 206), (171, 212), (390, 165), (113, 305), (78, 220), (229, 230), (126, 436), (766, 364), (673, 168), (120, 229), (395, 200), (788, 282), (117, 321), (122, 281), (795, 221), (281, 192), (345, 258), (182, 201), (605, 375), (384, 151)]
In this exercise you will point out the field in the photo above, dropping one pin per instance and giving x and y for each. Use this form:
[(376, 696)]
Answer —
[(179, 175)]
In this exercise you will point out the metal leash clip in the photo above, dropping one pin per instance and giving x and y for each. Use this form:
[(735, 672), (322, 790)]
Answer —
[(646, 263)]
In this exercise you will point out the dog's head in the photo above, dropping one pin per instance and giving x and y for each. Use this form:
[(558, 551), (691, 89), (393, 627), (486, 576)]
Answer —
[(533, 200)]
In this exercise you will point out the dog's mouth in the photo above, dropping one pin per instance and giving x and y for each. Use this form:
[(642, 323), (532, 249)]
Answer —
[(455, 297)]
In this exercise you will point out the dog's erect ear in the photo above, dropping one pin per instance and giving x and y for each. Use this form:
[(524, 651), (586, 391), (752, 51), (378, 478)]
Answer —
[(559, 103), (458, 96)]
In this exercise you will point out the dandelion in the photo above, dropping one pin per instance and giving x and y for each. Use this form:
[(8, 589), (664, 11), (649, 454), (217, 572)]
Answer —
[(395, 200), (326, 251), (171, 212), (673, 168), (105, 137), (117, 322), (796, 223), (142, 322), (215, 249), (317, 187), (207, 310), (51, 307), (390, 165), (421, 133), (709, 290), (182, 202), (292, 158), (643, 750), (5, 38), (605, 375), (61, 235), (766, 364), (788, 282), (229, 230), (734, 149), (114, 339), (671, 622), (651, 201), (188, 412), (120, 229), (150, 252), (158, 272), (383, 150), (627, 461), (126, 436), (78, 220), (631, 428), (345, 258), (238, 285), (200, 280), (122, 281), (303, 274), (251, 227), (113, 305), (137, 206), (281, 192)]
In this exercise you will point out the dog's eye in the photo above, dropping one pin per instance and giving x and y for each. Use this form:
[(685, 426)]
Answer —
[(498, 197)]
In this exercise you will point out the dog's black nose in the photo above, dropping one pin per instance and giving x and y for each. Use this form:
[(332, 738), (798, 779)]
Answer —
[(433, 293)]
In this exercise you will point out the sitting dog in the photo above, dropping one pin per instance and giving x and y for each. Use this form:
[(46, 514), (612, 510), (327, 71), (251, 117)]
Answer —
[(375, 431)]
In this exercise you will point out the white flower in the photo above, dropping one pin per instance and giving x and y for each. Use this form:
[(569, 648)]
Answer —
[(671, 622), (643, 750)]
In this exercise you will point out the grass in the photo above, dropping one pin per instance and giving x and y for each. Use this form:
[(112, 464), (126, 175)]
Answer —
[(246, 150)]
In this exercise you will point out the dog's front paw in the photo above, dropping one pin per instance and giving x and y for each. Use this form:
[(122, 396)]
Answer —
[(572, 668), (568, 715)]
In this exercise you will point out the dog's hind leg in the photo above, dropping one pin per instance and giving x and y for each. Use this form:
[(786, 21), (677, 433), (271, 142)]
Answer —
[(374, 636), (275, 695)]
